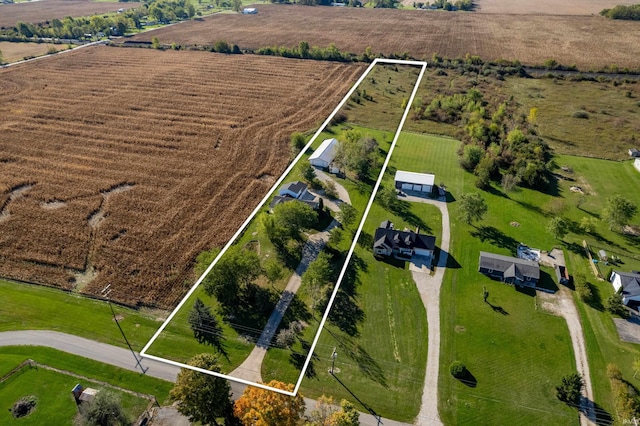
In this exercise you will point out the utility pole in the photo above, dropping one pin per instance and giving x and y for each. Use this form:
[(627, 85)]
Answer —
[(105, 293), (334, 355)]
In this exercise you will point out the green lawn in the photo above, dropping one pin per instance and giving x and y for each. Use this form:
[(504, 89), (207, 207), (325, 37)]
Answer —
[(603, 345), (53, 391), (516, 354), (32, 307), (11, 356)]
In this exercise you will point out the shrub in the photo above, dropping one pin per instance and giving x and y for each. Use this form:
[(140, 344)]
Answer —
[(614, 306), (457, 369), (570, 389), (582, 288), (580, 114), (624, 394)]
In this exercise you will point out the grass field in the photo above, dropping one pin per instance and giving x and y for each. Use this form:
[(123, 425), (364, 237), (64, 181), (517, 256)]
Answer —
[(511, 369), (55, 403), (612, 125), (603, 344), (532, 39), (13, 52)]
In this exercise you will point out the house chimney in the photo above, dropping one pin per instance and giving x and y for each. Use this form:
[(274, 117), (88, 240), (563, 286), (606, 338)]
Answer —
[(417, 229)]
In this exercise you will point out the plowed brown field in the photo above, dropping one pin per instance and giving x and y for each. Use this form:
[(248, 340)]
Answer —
[(46, 10), (119, 166), (548, 7), (587, 41)]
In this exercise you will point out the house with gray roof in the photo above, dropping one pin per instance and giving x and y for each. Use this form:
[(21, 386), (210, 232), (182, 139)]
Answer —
[(512, 270), (628, 284), (402, 244), (295, 191)]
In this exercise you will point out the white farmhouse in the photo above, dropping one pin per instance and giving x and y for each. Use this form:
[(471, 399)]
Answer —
[(414, 182), (629, 284), (324, 155), (636, 164)]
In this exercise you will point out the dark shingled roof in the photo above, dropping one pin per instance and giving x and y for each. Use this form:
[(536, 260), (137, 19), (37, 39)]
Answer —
[(630, 283), (511, 267), (388, 237), (295, 187)]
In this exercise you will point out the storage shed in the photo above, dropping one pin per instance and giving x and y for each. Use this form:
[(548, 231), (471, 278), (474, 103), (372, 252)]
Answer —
[(324, 155), (414, 182)]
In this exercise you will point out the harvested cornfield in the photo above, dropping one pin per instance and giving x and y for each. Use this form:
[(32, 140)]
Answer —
[(45, 10), (532, 39), (121, 165)]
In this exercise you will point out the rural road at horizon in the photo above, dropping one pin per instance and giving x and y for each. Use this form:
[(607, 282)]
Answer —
[(121, 357)]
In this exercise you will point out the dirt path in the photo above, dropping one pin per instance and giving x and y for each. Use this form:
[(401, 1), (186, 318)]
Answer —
[(562, 304), (251, 367), (429, 289)]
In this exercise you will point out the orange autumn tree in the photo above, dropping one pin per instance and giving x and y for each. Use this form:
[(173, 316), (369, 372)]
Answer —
[(260, 407)]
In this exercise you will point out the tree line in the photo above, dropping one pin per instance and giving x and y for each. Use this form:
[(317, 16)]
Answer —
[(161, 11)]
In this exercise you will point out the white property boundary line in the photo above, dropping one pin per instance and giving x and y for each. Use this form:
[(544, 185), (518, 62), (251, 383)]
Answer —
[(144, 350)]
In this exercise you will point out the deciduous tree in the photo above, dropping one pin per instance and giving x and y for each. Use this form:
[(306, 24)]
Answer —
[(557, 227), (347, 214), (327, 414), (234, 270), (471, 207), (260, 407), (294, 216), (202, 397), (618, 212)]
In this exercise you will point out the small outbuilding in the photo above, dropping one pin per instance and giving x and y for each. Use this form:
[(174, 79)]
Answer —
[(249, 11), (628, 283), (324, 155), (414, 182), (634, 152)]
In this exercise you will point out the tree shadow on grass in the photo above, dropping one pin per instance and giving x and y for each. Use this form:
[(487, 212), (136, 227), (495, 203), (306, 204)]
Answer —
[(495, 237), (575, 248), (468, 379), (498, 309), (298, 359), (368, 366), (595, 301), (345, 312), (296, 311), (252, 309), (402, 209), (366, 241)]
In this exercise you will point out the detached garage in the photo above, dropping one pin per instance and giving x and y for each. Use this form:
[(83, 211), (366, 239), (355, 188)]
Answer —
[(414, 182), (323, 156)]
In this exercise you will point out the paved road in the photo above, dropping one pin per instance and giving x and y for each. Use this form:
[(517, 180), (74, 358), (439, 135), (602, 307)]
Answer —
[(429, 289), (123, 358)]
